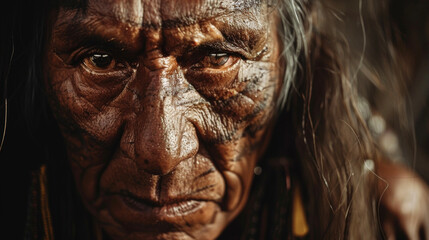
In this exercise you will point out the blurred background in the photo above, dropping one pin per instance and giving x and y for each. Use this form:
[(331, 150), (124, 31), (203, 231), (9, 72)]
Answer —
[(389, 43)]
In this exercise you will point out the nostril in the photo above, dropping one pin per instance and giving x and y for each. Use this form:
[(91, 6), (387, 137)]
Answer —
[(146, 161)]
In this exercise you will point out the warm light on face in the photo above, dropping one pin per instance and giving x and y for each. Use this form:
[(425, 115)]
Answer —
[(164, 113)]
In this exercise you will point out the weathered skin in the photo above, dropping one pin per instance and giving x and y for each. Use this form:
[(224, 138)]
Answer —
[(162, 135)]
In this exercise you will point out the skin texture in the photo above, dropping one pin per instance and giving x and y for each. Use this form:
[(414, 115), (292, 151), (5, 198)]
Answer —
[(165, 109)]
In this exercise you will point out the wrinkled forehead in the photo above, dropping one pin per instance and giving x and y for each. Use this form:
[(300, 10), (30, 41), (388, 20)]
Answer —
[(157, 13)]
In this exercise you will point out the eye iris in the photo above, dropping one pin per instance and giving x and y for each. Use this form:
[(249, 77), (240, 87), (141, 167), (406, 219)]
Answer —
[(218, 59), (101, 60)]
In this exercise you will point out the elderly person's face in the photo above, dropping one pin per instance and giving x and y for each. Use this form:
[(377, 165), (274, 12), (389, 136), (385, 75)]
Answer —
[(165, 108)]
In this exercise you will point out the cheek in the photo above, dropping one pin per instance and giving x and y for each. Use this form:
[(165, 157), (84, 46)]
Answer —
[(255, 92), (242, 108), (88, 114), (235, 129)]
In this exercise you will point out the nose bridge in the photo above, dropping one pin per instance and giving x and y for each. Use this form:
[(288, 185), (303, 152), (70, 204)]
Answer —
[(163, 136)]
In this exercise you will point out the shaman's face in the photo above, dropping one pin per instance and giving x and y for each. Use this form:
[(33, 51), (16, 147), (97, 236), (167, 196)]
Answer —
[(165, 108)]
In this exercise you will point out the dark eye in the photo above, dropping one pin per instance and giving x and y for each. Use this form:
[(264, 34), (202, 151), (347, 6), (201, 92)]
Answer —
[(100, 62), (216, 61)]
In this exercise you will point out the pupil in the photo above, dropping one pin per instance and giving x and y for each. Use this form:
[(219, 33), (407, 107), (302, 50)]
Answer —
[(101, 60)]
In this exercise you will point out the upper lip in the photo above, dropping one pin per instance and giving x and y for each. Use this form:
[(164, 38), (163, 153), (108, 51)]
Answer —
[(146, 201), (160, 203)]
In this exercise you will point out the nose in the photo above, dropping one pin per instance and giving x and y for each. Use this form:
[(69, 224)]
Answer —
[(163, 135)]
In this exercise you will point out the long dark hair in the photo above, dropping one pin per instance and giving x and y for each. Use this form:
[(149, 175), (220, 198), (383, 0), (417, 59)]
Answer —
[(31, 135), (331, 138), (22, 29)]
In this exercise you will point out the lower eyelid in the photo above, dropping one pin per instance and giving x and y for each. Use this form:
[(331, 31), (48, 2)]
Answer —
[(123, 72)]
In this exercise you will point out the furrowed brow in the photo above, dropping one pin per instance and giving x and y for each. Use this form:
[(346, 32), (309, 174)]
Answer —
[(174, 15), (88, 31)]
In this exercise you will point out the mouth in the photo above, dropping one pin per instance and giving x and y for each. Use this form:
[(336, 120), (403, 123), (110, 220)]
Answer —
[(142, 215), (170, 209)]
